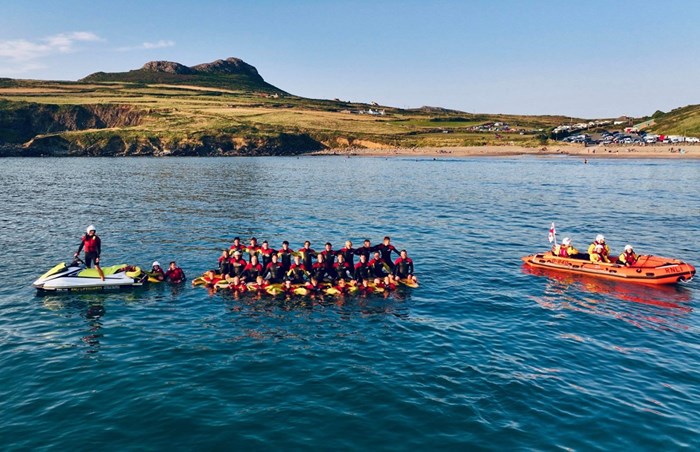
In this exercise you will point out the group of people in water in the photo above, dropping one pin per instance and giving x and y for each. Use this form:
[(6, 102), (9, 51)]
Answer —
[(291, 270), (598, 252), (311, 270)]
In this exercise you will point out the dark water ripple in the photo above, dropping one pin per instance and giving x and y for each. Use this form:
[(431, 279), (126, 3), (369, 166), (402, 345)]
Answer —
[(484, 355)]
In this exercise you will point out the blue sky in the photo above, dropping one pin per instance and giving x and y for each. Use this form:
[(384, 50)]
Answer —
[(586, 59)]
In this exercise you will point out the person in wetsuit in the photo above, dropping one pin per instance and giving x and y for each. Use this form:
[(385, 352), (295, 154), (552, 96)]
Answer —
[(329, 260), (224, 263), (403, 268), (307, 256), (297, 273), (92, 245), (385, 249), (343, 270), (237, 264), (274, 271), (378, 267), (174, 274), (285, 256), (366, 249), (362, 270), (348, 253), (252, 270), (266, 253)]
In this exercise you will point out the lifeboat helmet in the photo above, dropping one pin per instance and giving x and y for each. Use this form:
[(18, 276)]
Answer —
[(90, 228), (598, 249), (628, 248), (156, 264), (566, 241), (600, 238)]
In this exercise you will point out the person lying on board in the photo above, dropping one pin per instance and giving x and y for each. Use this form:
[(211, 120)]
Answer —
[(314, 287), (260, 285), (236, 285)]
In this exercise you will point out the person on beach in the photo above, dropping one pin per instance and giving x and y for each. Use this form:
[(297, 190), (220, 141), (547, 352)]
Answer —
[(628, 257), (565, 249), (156, 272), (599, 240), (174, 274), (307, 256), (403, 268), (92, 245)]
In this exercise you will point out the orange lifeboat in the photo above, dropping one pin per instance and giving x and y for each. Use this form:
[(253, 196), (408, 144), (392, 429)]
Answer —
[(649, 269)]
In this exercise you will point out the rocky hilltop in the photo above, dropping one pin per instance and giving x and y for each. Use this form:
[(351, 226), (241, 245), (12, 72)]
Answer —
[(231, 73)]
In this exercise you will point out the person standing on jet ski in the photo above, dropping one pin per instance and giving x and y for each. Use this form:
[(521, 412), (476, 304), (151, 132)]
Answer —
[(92, 245)]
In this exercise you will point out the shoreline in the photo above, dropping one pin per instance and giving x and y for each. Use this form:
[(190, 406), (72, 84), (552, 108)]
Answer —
[(666, 151)]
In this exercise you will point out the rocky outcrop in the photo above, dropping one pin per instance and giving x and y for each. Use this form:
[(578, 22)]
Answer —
[(116, 145), (227, 66), (21, 122), (169, 67)]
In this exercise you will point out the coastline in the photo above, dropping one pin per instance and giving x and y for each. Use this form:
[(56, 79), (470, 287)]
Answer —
[(666, 151)]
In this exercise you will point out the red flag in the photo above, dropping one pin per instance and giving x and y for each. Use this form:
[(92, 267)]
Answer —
[(552, 233)]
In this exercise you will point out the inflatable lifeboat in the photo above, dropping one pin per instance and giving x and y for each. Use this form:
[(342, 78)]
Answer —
[(649, 269)]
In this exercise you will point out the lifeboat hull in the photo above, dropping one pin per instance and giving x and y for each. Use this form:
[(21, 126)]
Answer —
[(655, 270)]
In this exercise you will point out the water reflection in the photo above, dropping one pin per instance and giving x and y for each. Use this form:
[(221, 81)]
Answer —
[(89, 307), (658, 307)]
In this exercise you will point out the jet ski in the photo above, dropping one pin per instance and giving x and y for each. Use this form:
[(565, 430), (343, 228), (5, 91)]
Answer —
[(75, 277)]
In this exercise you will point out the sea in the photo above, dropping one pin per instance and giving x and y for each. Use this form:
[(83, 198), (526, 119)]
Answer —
[(484, 355)]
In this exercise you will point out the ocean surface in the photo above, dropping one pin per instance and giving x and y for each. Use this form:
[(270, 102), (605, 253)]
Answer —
[(484, 355)]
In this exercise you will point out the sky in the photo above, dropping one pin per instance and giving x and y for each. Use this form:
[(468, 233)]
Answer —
[(587, 59)]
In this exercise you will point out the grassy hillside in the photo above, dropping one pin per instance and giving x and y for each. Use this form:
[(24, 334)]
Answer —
[(227, 114), (681, 121)]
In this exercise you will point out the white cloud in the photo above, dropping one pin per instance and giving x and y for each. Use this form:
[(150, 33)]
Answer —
[(148, 45), (25, 50)]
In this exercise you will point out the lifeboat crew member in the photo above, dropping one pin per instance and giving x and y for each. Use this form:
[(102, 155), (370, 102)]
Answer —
[(329, 260), (599, 240), (253, 248), (174, 273), (348, 253), (318, 271), (92, 245), (157, 272), (287, 288), (403, 268), (565, 249), (628, 257), (598, 255), (236, 285), (307, 256)]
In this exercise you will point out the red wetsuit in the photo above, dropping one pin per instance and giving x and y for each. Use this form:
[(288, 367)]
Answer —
[(266, 254), (348, 254), (403, 267), (285, 258), (386, 251), (377, 267), (297, 273), (251, 272), (362, 271), (176, 275), (344, 270), (307, 258)]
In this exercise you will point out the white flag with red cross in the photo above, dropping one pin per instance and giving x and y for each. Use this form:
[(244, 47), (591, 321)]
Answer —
[(552, 233)]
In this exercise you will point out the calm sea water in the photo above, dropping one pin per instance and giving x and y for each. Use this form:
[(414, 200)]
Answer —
[(482, 356)]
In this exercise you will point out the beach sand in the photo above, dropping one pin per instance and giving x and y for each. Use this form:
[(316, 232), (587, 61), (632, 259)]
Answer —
[(666, 151)]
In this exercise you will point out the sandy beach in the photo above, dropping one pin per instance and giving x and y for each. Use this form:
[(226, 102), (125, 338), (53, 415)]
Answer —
[(666, 151)]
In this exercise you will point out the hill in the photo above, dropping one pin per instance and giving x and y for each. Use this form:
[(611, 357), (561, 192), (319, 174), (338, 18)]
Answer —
[(683, 121), (226, 108), (231, 73)]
